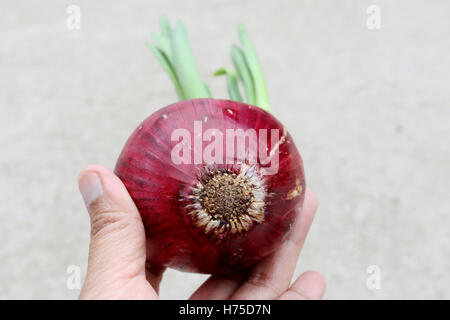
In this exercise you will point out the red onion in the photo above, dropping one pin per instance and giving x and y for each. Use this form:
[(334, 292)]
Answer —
[(211, 218), (216, 181)]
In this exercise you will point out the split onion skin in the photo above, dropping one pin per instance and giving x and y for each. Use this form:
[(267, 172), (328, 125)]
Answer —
[(161, 189)]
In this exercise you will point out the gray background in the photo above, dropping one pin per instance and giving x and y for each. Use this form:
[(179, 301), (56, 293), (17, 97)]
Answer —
[(368, 109)]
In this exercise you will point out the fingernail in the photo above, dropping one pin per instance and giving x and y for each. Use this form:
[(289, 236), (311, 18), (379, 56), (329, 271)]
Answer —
[(90, 187)]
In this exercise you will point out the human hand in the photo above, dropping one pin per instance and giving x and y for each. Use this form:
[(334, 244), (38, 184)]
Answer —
[(117, 267)]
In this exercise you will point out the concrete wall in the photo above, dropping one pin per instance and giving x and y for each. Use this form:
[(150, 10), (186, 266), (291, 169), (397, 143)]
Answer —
[(368, 109)]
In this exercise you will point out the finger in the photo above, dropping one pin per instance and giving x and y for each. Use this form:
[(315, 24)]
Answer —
[(309, 286), (272, 276), (218, 287), (154, 274), (117, 249), (222, 287)]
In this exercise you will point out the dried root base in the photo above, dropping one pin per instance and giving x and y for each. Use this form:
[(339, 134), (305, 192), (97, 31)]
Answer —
[(226, 203)]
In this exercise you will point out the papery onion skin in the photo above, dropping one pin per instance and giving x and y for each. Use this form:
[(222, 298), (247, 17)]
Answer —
[(160, 188)]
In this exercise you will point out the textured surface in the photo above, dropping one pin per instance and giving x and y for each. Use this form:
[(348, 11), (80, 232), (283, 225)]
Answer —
[(182, 234), (368, 109)]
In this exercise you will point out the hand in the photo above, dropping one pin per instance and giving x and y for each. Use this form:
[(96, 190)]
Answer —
[(117, 267)]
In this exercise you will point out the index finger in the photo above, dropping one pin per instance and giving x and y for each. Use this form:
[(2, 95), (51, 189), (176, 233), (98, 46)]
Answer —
[(271, 277)]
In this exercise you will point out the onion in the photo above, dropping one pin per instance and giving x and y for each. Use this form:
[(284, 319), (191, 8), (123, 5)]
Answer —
[(215, 181)]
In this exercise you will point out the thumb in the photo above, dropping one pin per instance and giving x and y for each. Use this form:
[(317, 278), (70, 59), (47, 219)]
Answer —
[(117, 249)]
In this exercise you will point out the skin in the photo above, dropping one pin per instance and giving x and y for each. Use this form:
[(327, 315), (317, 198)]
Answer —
[(119, 271)]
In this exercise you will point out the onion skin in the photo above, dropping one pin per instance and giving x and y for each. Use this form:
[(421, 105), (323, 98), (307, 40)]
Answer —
[(160, 188)]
